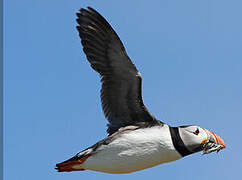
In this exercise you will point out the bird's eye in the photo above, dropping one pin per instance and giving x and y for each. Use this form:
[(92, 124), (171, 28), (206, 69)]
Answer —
[(196, 132)]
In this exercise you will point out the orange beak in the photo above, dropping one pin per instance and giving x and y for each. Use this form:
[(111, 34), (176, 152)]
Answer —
[(218, 139)]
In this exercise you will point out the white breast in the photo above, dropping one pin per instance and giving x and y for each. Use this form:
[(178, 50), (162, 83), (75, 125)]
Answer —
[(133, 151)]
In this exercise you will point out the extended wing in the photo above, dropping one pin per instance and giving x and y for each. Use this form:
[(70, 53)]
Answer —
[(121, 82)]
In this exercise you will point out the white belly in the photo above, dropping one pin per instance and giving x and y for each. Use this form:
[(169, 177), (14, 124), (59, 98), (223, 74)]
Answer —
[(134, 151)]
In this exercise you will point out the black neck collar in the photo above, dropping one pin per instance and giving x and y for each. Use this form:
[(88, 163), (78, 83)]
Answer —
[(178, 143)]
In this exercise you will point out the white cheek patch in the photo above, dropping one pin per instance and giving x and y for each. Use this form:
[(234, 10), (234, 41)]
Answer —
[(190, 140)]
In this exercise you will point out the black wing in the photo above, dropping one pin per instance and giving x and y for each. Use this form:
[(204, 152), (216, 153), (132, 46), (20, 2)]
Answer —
[(121, 82)]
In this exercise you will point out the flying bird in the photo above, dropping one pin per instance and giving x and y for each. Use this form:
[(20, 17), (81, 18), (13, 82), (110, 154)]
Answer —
[(136, 139)]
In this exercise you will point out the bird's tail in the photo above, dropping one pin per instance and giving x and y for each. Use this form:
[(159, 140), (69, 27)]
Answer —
[(74, 163)]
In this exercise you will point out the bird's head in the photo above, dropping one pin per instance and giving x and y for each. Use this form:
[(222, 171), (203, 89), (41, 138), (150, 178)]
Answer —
[(198, 139)]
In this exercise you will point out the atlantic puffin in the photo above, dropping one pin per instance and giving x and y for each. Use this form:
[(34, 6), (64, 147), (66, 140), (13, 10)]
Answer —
[(136, 139)]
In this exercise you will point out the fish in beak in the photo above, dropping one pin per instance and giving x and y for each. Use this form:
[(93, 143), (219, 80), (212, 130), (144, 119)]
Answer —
[(212, 143)]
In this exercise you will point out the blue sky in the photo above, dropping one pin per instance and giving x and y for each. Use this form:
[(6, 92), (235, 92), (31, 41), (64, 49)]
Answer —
[(188, 52)]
